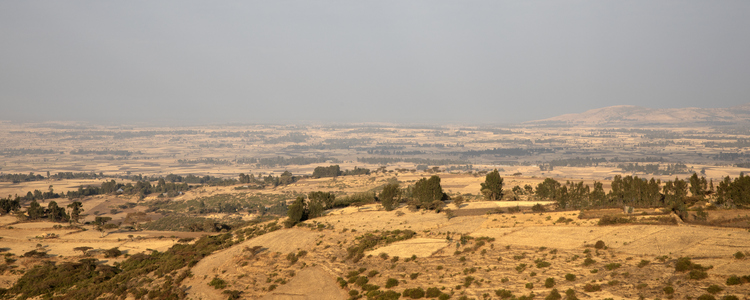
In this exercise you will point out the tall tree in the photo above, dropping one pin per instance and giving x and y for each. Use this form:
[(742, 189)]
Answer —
[(76, 208), (492, 188), (56, 213), (427, 191), (35, 211), (296, 212), (390, 196)]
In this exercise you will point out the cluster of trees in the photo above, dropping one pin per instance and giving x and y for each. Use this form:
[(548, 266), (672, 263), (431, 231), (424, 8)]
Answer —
[(640, 192), (302, 210), (654, 169), (103, 152), (335, 170), (18, 178), (283, 161), (53, 212), (736, 191)]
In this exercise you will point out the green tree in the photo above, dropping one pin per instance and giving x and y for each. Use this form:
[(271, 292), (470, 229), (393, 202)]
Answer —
[(390, 196), (698, 186), (315, 205), (56, 213), (296, 212), (35, 211), (548, 189), (492, 188), (427, 191), (326, 198), (102, 224), (76, 208)]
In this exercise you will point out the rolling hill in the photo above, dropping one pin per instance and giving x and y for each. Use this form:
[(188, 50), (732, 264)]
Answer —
[(629, 115)]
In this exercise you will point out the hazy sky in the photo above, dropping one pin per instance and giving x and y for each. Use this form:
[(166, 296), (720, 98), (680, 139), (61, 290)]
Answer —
[(366, 61)]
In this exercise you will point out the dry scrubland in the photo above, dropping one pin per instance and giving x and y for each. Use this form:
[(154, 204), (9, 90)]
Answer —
[(479, 253), (518, 243)]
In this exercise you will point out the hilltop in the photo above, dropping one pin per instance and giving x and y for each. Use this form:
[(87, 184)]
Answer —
[(631, 116)]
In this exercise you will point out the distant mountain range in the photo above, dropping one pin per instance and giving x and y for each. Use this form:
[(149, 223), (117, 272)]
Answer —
[(629, 115)]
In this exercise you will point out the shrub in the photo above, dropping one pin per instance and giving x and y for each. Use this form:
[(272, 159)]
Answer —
[(391, 282), (553, 295), (114, 252), (542, 264), (504, 294), (730, 297), (698, 274), (706, 297), (233, 294), (432, 292), (571, 294), (683, 264), (468, 280), (592, 288), (361, 280), (570, 277), (613, 220), (520, 268), (612, 266), (599, 244), (529, 285), (369, 287), (372, 273), (739, 255), (353, 293), (643, 263), (413, 276), (734, 280), (218, 283), (550, 282), (669, 290), (414, 293), (538, 208), (588, 261), (714, 289), (444, 296)]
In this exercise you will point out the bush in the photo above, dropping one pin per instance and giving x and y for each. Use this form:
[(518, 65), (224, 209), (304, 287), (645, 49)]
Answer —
[(734, 280), (683, 264), (413, 276), (114, 252), (504, 294), (612, 266), (739, 255), (570, 277), (553, 295), (391, 282), (538, 208), (599, 244), (550, 282), (218, 283), (643, 263), (571, 294), (529, 285), (714, 289), (588, 261), (414, 293), (698, 274), (730, 297), (706, 297), (372, 273), (432, 292), (669, 290), (592, 288), (542, 264)]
